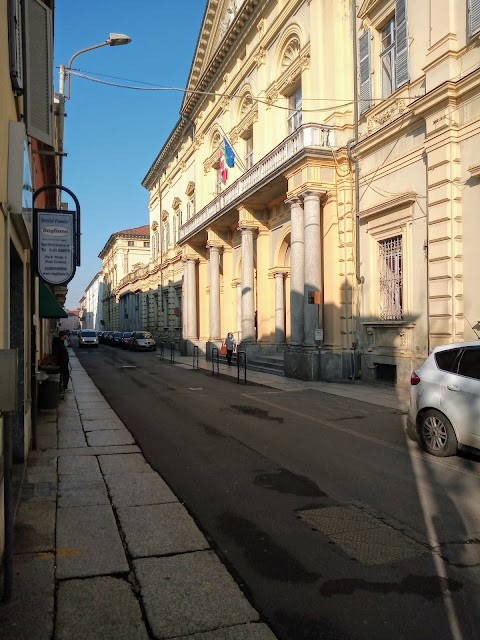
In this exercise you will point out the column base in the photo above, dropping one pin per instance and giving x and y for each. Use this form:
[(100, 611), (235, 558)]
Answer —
[(302, 363)]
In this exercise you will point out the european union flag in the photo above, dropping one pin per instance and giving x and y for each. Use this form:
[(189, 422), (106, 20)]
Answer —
[(229, 153)]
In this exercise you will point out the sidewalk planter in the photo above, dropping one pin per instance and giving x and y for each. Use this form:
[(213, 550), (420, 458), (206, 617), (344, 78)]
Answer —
[(49, 387)]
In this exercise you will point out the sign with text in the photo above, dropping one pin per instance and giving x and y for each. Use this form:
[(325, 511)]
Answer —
[(55, 247)]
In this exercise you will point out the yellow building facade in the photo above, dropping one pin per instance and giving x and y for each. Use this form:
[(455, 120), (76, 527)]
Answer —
[(418, 167), (249, 254)]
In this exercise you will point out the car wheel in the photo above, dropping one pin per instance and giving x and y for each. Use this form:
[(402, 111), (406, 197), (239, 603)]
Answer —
[(436, 434)]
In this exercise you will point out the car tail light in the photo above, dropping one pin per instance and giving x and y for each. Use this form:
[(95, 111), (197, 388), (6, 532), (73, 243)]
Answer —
[(414, 378)]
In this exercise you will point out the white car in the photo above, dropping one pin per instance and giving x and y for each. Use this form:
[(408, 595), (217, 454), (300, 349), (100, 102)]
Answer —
[(87, 338), (445, 399), (142, 341)]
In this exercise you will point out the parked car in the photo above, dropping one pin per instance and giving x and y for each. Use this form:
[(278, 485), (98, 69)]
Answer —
[(117, 336), (445, 399), (142, 341), (109, 338), (125, 339), (87, 338)]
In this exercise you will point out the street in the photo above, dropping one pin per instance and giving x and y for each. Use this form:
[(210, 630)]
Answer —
[(333, 523)]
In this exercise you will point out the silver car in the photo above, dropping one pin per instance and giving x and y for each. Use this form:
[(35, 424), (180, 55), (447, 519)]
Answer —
[(445, 399), (142, 341), (87, 338)]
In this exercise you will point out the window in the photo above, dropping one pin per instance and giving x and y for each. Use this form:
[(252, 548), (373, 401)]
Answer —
[(249, 152), (393, 37), (218, 180), (131, 243), (146, 244), (391, 279), (387, 58), (446, 359), (295, 110), (470, 363), (473, 17), (191, 207)]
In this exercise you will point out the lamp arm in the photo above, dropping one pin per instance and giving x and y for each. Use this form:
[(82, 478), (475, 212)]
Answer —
[(69, 66)]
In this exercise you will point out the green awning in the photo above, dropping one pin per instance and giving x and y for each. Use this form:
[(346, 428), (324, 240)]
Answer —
[(49, 305)]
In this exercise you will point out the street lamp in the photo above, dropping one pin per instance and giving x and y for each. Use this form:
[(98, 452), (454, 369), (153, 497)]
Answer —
[(113, 40)]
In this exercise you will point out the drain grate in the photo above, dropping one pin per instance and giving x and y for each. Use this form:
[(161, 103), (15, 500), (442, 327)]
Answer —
[(361, 536)]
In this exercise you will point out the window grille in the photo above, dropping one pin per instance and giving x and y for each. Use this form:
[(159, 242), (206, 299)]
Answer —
[(391, 279)]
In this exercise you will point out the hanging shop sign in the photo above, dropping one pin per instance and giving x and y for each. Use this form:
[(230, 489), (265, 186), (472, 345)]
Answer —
[(56, 244)]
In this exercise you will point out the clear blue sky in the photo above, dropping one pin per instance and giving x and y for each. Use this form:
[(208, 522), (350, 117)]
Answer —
[(113, 135)]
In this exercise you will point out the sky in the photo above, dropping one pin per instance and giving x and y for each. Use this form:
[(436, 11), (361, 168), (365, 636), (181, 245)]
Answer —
[(113, 135)]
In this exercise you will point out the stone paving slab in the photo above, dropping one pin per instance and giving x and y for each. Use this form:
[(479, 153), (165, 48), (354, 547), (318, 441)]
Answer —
[(88, 542), (29, 615), (160, 529), (42, 491), (102, 425), (81, 490), (101, 451), (190, 593), (79, 465), (109, 438), (47, 442), (138, 489), (35, 527), (134, 463), (68, 439), (254, 631), (96, 414), (70, 423), (98, 608)]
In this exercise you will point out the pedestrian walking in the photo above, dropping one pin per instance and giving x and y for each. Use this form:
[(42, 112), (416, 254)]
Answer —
[(231, 346), (62, 359)]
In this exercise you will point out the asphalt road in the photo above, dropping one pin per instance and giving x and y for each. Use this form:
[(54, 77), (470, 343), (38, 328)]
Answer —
[(332, 522)]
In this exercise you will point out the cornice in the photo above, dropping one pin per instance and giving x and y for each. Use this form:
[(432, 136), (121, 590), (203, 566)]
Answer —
[(399, 202)]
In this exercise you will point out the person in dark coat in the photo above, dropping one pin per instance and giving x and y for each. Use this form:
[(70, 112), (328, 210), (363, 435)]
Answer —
[(60, 352)]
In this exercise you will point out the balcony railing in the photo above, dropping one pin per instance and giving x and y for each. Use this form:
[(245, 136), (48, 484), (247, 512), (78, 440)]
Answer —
[(308, 136)]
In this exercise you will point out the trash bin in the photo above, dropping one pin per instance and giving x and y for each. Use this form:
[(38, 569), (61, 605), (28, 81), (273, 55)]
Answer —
[(49, 388)]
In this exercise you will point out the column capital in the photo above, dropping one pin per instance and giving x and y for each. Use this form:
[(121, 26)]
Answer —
[(188, 257), (310, 194), (247, 226), (280, 272), (294, 200), (214, 246)]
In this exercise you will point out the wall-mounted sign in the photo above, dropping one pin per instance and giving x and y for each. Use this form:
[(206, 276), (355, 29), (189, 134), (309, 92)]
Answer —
[(55, 245)]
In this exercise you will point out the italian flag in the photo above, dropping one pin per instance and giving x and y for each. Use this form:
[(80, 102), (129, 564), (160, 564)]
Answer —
[(223, 167)]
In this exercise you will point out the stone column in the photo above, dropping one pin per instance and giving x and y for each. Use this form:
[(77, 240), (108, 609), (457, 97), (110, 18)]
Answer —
[(297, 274), (248, 302), (313, 265), (214, 267), (191, 299), (239, 311), (279, 307)]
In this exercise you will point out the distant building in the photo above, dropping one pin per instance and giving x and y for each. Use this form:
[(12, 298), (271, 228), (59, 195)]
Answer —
[(124, 252), (72, 323), (92, 304)]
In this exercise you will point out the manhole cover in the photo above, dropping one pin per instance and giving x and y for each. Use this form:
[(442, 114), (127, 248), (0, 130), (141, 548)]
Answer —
[(361, 536), (195, 388)]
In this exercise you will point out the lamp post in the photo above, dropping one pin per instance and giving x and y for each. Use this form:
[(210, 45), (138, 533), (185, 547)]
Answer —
[(113, 40)]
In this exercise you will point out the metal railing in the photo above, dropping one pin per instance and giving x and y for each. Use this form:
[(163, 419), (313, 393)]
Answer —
[(195, 357), (161, 349), (242, 366), (215, 361)]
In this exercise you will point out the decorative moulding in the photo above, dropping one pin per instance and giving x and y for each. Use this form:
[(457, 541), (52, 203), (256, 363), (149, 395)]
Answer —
[(383, 117), (474, 171), (401, 201)]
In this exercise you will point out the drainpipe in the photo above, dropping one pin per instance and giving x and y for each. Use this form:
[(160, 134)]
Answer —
[(427, 240), (354, 141)]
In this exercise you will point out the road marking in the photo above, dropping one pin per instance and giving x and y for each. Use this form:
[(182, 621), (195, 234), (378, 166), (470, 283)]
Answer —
[(336, 427)]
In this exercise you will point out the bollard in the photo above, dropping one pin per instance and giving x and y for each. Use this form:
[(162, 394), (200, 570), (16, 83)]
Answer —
[(215, 361), (172, 353), (242, 366), (161, 350), (195, 357)]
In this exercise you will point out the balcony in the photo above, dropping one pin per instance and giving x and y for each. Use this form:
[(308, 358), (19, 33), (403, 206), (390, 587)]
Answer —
[(313, 138)]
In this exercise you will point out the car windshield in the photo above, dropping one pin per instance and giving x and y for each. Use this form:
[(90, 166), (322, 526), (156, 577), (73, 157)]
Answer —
[(89, 334), (143, 334), (127, 334)]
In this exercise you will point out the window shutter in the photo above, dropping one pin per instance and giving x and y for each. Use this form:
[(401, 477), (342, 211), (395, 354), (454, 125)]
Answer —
[(473, 17), (365, 82), (38, 71), (15, 43), (401, 43)]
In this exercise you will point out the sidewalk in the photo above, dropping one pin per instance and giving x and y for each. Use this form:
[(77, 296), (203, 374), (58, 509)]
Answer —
[(380, 394), (103, 548)]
